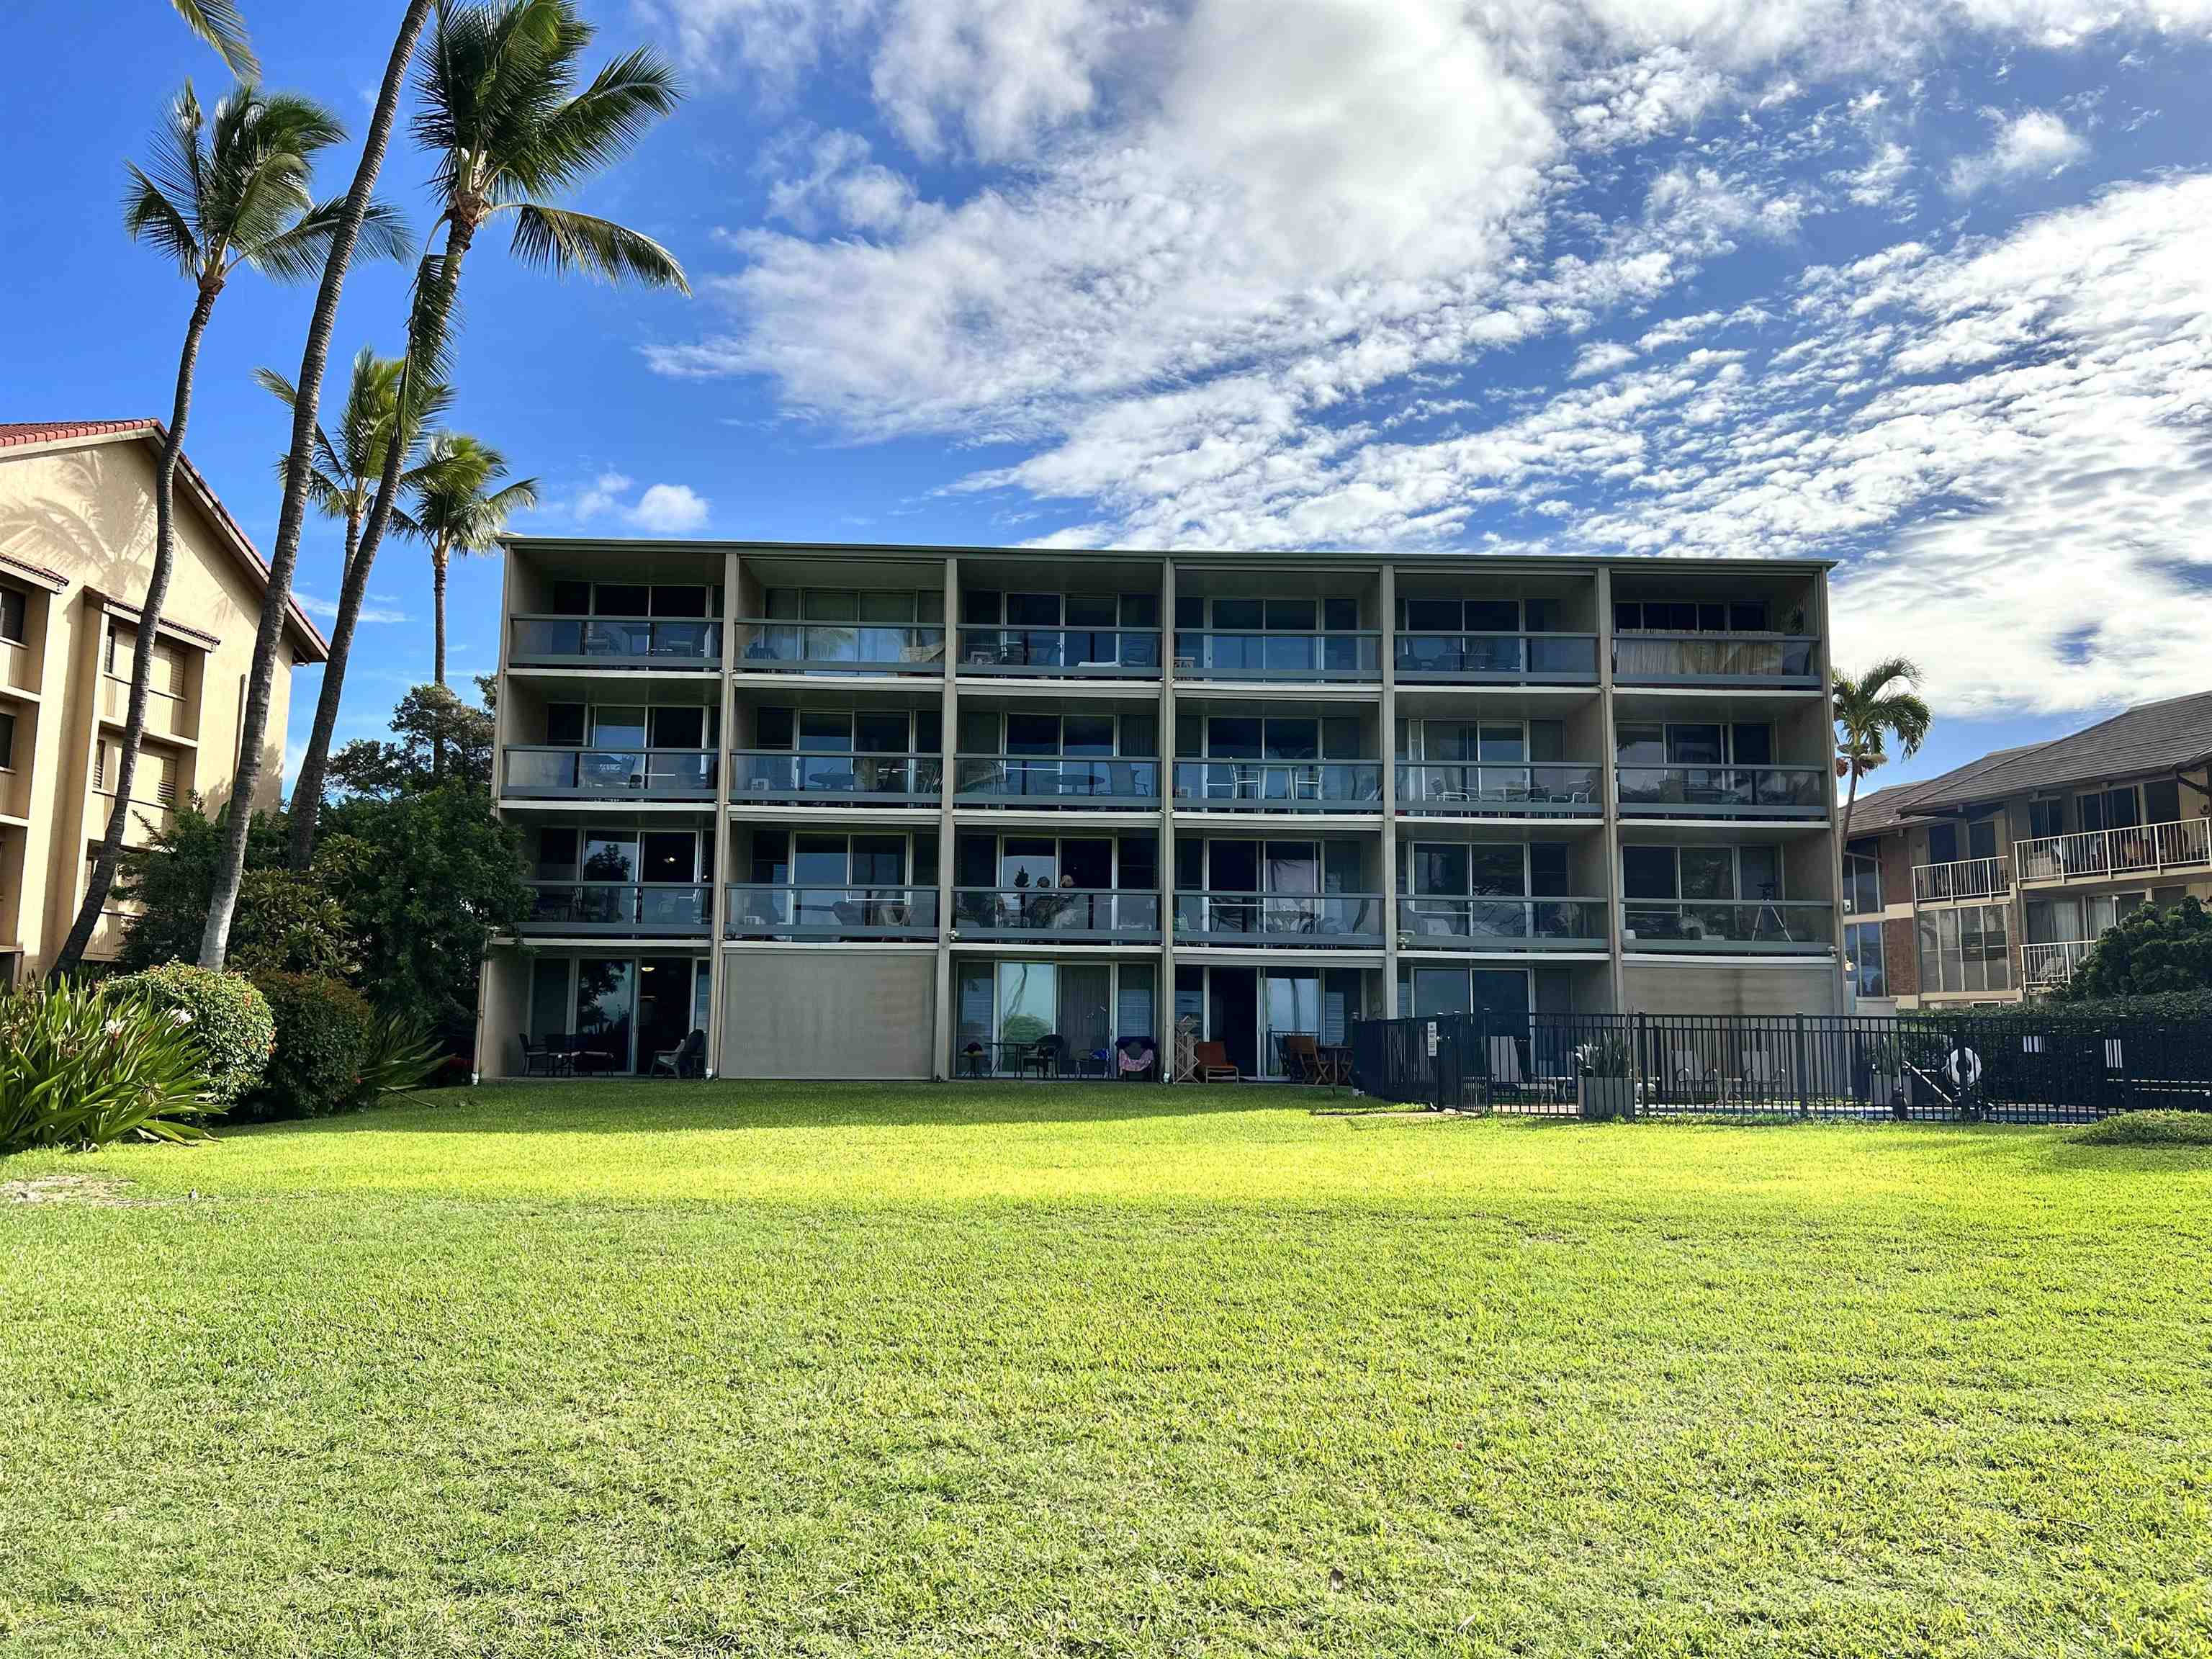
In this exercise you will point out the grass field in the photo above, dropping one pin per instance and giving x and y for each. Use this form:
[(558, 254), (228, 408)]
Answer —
[(728, 1369)]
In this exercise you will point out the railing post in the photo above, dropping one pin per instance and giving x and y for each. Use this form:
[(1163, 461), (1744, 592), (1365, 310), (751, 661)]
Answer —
[(1804, 1074), (1638, 1072)]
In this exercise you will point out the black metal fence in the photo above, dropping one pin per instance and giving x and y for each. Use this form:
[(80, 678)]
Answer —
[(2013, 1066)]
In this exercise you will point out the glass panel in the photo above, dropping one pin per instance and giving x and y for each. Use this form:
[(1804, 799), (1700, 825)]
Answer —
[(1232, 739), (679, 601), (1028, 1003), (609, 856), (549, 997), (1493, 616), (1028, 862), (1086, 1016), (556, 855), (1548, 870), (1300, 614), (1293, 739), (1648, 873), (669, 856), (1753, 744), (1440, 870), (879, 861), (1432, 616), (1088, 864), (822, 732), (1033, 609), (1033, 734), (2120, 812), (2161, 801), (605, 989), (2046, 818), (1762, 872), (1233, 866), (1231, 614), (1548, 740), (1500, 743), (1642, 746), (1693, 745), (1440, 991), (879, 733), (1341, 866), (971, 1036), (1086, 734), (820, 861), (615, 726), (1495, 870), (565, 723), (832, 606), (1340, 738), (1708, 872), (1293, 867), (621, 599), (886, 605), (680, 728), (1134, 1014)]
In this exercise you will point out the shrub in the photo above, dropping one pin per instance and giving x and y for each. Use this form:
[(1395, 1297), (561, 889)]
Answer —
[(2149, 1129), (229, 1022), (401, 1054), (84, 1065), (324, 1031)]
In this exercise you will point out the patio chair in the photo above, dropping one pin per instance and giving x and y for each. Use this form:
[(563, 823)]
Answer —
[(1687, 1071), (537, 1057), (1763, 1073), (687, 1059), (1301, 1052), (1047, 1056), (1213, 1063), (1505, 1065), (1305, 783), (1134, 1058)]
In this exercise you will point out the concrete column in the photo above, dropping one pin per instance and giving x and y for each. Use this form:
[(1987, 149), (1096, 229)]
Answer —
[(1615, 945), (1823, 655), (1163, 1004), (717, 897), (948, 721), (501, 735), (1389, 744)]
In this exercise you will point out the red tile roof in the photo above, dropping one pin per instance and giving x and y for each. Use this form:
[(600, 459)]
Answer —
[(16, 433)]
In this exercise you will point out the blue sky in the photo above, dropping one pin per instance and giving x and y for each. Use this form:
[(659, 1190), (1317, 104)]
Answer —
[(1919, 287)]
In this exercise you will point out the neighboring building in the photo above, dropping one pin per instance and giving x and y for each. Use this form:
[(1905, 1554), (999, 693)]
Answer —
[(1990, 883), (77, 547), (883, 811)]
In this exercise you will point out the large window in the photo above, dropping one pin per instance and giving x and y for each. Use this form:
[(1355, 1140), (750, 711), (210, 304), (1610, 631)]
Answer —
[(1861, 879), (1862, 951), (1965, 948), (13, 611), (1685, 616)]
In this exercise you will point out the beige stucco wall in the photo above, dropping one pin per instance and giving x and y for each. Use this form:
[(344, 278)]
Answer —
[(86, 513)]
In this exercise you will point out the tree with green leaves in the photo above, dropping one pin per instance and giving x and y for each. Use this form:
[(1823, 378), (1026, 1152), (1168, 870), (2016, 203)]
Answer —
[(224, 190), (454, 509), (341, 479), (2150, 953), (503, 113), (1882, 704), (441, 739), (218, 23)]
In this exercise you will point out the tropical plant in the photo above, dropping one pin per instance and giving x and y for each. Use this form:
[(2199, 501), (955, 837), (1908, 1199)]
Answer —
[(82, 1065), (508, 126), (1879, 704), (325, 1030), (217, 23), (284, 554), (224, 1015), (453, 509), (224, 191), (442, 739), (2151, 952), (1605, 1056), (341, 479), (401, 1053)]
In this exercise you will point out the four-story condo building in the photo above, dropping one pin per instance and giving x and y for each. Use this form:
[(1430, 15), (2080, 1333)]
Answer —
[(904, 811)]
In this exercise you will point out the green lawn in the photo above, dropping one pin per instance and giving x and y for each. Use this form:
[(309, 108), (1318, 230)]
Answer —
[(741, 1368)]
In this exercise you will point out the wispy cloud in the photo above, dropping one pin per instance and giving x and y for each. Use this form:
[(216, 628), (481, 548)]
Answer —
[(2032, 144), (371, 612)]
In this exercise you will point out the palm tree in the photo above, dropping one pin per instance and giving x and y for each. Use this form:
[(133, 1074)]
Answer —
[(1879, 704), (455, 510), (217, 23), (341, 479), (503, 114), (277, 597), (224, 192)]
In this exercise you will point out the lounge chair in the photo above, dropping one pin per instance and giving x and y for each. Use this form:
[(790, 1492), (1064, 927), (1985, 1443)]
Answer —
[(1134, 1057), (1213, 1064), (1505, 1072), (687, 1059)]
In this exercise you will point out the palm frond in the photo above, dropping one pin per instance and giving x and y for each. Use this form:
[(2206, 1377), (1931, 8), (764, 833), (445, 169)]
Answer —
[(218, 23), (297, 253), (556, 238), (599, 124), (149, 216)]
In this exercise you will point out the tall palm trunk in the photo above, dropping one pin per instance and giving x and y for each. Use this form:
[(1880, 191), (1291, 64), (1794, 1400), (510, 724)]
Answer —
[(230, 869), (438, 607), (149, 621), (306, 809), (308, 787), (1850, 800)]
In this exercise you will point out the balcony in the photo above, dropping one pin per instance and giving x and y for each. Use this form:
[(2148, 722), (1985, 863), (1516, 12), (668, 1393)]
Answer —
[(2100, 854), (1723, 792), (1279, 786), (1491, 923), (1752, 660), (167, 714), (1498, 659), (1343, 921), (2046, 967), (1076, 652), (760, 911), (1277, 654), (667, 909), (1776, 926), (1963, 878), (1465, 789), (1056, 915), (1055, 781), (545, 773), (656, 643), (788, 648), (780, 777)]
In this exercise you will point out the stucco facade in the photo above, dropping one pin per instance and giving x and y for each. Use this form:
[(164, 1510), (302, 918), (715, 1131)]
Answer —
[(76, 550)]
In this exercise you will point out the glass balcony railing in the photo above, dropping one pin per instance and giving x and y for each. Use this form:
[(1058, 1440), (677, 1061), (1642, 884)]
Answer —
[(1429, 922), (765, 911), (1522, 659), (561, 774), (616, 641), (1499, 788), (1778, 792), (1100, 652), (1056, 781), (780, 776), (1278, 785), (1340, 921), (1780, 925), (1746, 659), (1218, 654), (618, 907), (840, 648), (1067, 914)]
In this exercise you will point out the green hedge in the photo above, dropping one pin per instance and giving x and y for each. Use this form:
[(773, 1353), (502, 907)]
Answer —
[(325, 1032), (226, 1018)]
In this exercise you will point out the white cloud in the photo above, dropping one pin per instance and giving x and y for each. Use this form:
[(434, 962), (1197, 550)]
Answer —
[(1601, 357), (668, 509), (2033, 145), (604, 491), (370, 612)]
